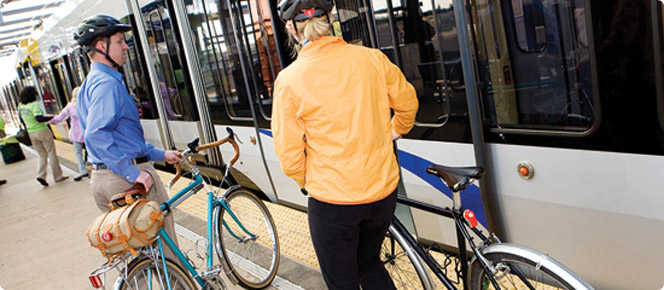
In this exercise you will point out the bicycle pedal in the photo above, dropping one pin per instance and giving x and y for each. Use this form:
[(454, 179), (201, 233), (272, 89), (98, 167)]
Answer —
[(214, 283)]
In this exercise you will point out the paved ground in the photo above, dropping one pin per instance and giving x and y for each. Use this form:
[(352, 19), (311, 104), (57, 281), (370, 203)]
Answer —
[(42, 242)]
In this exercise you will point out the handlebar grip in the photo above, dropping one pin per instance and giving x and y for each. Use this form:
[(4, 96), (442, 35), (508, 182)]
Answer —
[(220, 142)]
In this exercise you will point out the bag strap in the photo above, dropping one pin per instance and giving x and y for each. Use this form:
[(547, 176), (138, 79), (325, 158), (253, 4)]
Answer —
[(128, 196), (25, 127)]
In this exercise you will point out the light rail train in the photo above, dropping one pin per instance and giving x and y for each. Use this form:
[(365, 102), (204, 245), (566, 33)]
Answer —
[(561, 100)]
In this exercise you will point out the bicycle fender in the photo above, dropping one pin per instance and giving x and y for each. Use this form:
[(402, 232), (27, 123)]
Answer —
[(540, 258)]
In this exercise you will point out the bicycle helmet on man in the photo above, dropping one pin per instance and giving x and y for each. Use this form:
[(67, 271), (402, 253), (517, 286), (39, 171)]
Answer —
[(93, 29)]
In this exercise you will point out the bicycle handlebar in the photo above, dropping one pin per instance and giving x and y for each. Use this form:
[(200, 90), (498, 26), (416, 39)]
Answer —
[(189, 158)]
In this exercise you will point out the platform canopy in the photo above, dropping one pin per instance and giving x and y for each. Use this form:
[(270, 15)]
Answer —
[(21, 20)]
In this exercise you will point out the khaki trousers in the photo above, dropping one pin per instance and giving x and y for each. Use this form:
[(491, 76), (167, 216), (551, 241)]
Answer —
[(42, 142), (105, 184)]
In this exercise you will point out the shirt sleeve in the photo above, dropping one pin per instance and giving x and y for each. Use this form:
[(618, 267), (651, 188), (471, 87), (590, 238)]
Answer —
[(153, 153), (402, 97), (101, 122), (63, 115), (288, 132)]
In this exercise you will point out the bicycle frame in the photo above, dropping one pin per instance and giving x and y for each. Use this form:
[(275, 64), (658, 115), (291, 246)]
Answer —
[(461, 232), (212, 202)]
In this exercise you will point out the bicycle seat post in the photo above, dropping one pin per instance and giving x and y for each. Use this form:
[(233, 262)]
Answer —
[(456, 200)]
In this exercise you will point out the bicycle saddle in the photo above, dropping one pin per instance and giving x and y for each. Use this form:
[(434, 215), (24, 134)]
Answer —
[(456, 178)]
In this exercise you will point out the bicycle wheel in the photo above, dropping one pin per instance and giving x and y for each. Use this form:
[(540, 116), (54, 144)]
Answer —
[(253, 261), (522, 268), (401, 266), (147, 273)]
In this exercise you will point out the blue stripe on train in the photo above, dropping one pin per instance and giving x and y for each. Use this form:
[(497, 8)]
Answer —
[(471, 196), (417, 165)]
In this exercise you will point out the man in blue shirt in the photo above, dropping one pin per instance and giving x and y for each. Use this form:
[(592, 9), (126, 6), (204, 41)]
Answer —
[(109, 118)]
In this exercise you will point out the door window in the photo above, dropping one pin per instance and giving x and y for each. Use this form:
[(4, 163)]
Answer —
[(534, 66)]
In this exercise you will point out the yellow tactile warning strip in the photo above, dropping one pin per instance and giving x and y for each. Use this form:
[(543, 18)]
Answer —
[(292, 225)]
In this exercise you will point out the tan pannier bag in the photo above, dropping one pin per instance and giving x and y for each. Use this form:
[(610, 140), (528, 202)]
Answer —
[(129, 224)]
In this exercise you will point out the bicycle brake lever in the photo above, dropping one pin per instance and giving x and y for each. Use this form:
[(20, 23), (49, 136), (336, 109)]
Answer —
[(232, 135)]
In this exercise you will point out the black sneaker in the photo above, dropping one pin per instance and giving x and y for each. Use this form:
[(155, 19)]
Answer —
[(78, 178), (3, 181), (42, 181)]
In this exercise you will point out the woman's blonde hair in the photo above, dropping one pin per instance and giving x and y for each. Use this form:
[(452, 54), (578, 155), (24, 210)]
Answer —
[(314, 28), (74, 94)]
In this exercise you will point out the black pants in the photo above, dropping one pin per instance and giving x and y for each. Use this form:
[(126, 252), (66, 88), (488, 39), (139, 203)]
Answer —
[(347, 240)]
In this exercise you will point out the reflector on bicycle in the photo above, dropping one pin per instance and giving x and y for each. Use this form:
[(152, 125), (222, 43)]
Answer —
[(107, 237), (470, 217), (96, 281)]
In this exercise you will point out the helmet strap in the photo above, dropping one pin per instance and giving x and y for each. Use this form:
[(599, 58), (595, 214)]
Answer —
[(108, 46), (108, 57)]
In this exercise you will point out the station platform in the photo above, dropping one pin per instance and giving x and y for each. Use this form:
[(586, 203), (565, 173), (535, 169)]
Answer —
[(42, 231)]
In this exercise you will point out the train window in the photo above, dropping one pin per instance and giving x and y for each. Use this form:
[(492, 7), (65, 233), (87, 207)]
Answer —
[(220, 60), (164, 53), (420, 37), (537, 79), (259, 42), (529, 26), (353, 22), (136, 82), (238, 55)]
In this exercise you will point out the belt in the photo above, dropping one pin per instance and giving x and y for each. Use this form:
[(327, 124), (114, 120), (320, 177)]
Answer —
[(102, 166)]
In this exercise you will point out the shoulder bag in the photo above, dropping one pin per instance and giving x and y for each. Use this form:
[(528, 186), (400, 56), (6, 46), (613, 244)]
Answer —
[(130, 223)]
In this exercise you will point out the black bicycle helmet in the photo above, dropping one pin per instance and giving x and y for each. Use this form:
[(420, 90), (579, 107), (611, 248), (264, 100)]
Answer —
[(98, 25), (299, 10)]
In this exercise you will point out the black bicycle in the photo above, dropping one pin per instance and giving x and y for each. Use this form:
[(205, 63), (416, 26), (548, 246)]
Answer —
[(494, 265)]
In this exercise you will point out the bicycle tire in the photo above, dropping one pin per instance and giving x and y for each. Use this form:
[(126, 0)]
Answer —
[(253, 262), (142, 270), (514, 261), (403, 265)]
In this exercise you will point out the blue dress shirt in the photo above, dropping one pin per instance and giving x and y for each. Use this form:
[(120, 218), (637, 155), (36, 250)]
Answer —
[(110, 122)]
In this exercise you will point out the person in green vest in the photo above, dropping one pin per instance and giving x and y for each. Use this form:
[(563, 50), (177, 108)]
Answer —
[(40, 136)]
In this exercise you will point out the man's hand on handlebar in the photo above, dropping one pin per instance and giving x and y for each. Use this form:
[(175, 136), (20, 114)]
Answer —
[(172, 157)]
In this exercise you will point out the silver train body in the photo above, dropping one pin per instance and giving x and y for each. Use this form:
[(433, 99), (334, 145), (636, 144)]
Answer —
[(570, 90)]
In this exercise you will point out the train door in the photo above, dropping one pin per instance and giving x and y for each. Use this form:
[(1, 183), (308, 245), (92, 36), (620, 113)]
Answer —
[(254, 36), (238, 62), (177, 105)]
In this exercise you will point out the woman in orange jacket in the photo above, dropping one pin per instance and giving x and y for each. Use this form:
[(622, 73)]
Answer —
[(333, 135)]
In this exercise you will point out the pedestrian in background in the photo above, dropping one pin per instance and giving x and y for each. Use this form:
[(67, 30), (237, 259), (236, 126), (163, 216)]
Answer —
[(334, 136), (34, 120), (75, 132)]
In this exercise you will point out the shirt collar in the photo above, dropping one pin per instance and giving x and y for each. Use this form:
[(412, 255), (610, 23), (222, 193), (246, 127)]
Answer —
[(107, 69), (319, 45)]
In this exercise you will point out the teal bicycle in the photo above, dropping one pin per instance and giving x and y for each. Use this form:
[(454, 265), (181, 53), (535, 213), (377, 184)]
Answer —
[(239, 226)]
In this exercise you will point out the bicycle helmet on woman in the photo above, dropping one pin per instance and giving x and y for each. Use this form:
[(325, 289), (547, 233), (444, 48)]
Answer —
[(98, 26), (300, 10)]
